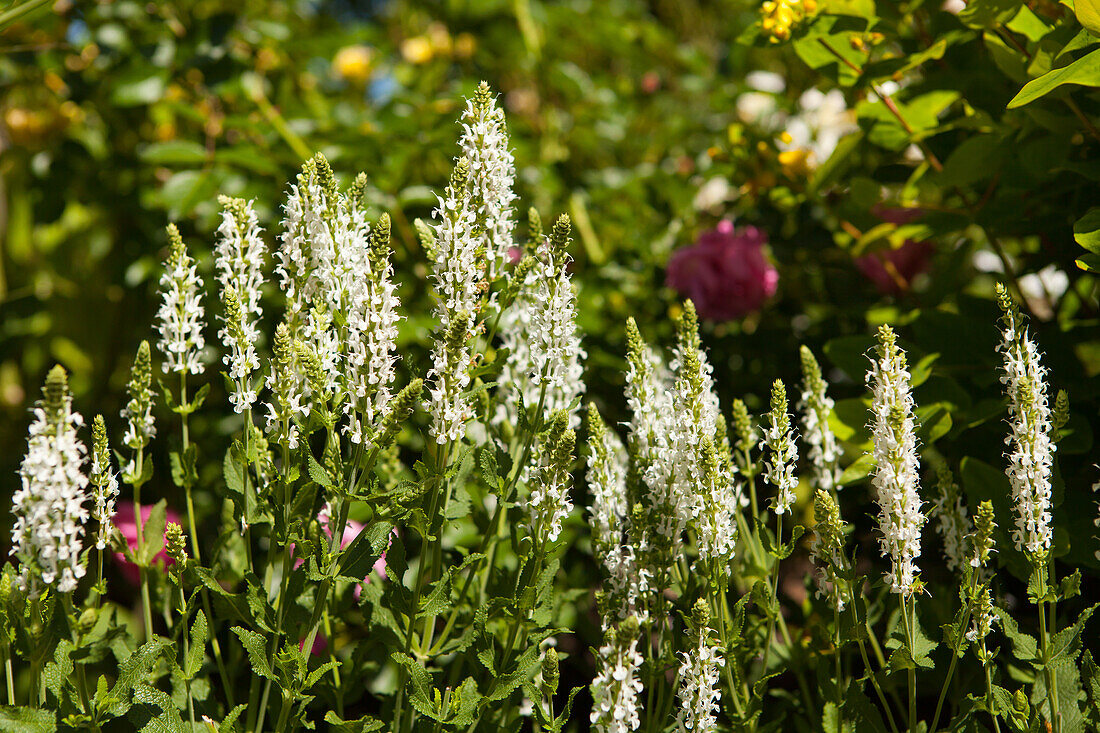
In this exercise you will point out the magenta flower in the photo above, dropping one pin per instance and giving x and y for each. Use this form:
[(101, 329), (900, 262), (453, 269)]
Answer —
[(127, 526), (892, 270), (725, 273)]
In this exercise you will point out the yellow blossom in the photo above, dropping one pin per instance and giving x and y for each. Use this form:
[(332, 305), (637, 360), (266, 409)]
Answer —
[(795, 163), (353, 63), (416, 50), (780, 16)]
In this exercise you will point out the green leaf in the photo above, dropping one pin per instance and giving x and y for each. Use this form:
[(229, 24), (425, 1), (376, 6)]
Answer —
[(135, 90), (317, 472), (168, 721), (1084, 71), (1086, 230), (135, 667), (1023, 646), (369, 545), (197, 651), (366, 724), (26, 720), (1071, 585), (421, 681), (228, 724), (153, 532), (256, 646), (988, 13), (1066, 644), (1088, 15), (174, 153), (318, 673)]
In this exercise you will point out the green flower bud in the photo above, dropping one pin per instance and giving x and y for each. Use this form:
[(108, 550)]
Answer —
[(550, 672), (534, 226)]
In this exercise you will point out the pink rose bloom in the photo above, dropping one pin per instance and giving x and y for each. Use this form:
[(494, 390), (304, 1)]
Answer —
[(127, 527), (725, 273), (892, 270)]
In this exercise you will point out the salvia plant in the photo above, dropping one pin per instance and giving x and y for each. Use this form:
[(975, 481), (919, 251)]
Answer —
[(379, 549)]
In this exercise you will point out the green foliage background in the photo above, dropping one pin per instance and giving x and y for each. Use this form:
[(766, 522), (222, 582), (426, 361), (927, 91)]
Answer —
[(122, 116)]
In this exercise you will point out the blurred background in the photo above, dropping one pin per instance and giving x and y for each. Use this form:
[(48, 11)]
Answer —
[(651, 123)]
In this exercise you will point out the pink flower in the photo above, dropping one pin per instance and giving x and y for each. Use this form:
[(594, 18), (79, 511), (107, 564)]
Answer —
[(351, 531), (892, 270), (725, 273), (127, 527)]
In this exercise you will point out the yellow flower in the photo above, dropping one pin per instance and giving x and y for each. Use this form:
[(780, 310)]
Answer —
[(353, 63), (795, 163), (780, 16), (416, 50), (465, 45)]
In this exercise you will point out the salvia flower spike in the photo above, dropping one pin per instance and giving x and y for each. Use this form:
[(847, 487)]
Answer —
[(782, 451), (180, 316), (896, 465), (105, 483), (49, 510), (816, 407), (1031, 450)]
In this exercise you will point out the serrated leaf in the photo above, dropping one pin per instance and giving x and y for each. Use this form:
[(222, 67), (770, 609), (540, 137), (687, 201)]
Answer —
[(1066, 644), (369, 545), (26, 720), (1023, 646), (366, 724), (317, 472), (255, 645), (168, 721), (315, 676), (197, 650), (421, 680), (230, 720), (135, 667)]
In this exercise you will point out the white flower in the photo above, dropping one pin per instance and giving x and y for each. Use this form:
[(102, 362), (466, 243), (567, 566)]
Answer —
[(239, 263), (679, 479), (628, 580), (953, 523), (484, 144), (827, 550), (458, 273), (816, 406), (893, 434), (1032, 451), (983, 616), (179, 318), (105, 483), (606, 476), (540, 332), (616, 688), (372, 336), (307, 253), (49, 505), (549, 502), (782, 452), (699, 693), (140, 425), (286, 404)]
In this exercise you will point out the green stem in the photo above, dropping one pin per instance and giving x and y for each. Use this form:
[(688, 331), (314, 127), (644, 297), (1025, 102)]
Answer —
[(146, 607), (870, 671), (910, 622), (990, 702), (281, 602), (9, 678), (954, 653)]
